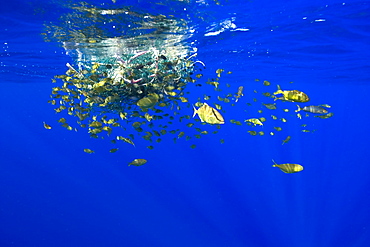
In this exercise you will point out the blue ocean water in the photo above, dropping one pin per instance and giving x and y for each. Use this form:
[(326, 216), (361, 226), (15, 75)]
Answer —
[(216, 195)]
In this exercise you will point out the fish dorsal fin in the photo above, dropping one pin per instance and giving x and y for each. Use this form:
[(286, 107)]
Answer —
[(278, 91)]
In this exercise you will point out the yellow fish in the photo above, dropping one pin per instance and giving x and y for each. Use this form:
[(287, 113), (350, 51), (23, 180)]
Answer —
[(148, 101), (288, 168), (254, 121), (208, 114), (292, 95), (138, 162), (46, 126)]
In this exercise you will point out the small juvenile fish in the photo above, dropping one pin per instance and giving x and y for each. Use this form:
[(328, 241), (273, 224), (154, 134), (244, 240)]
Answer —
[(254, 121), (123, 115), (148, 117), (330, 114), (252, 132), (95, 124), (286, 140), (181, 134), (239, 93), (312, 109), (266, 83), (270, 106), (128, 140), (148, 101), (46, 126), (138, 162), (288, 168), (62, 120), (218, 72)]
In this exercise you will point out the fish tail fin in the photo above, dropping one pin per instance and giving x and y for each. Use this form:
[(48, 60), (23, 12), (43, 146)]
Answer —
[(195, 111), (299, 108), (275, 164)]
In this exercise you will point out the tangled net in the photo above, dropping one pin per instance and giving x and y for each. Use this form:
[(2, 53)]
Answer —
[(126, 86)]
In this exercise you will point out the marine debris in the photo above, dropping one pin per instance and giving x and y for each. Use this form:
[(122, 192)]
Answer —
[(144, 85)]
